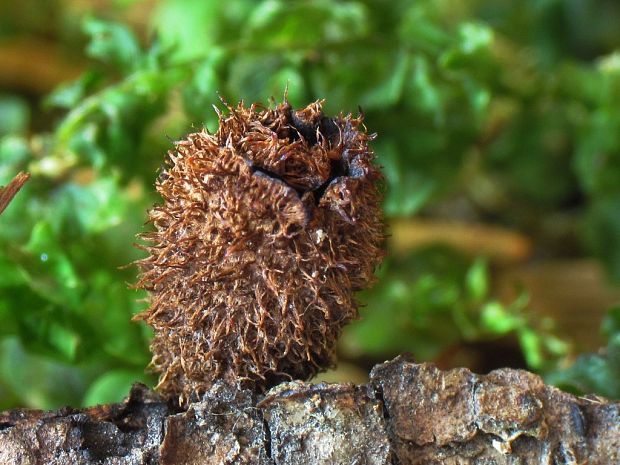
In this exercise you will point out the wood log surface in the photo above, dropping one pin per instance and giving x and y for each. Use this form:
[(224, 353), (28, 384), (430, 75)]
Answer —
[(407, 414)]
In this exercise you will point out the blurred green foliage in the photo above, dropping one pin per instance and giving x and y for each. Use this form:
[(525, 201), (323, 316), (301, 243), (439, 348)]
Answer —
[(595, 373), (435, 299), (512, 107)]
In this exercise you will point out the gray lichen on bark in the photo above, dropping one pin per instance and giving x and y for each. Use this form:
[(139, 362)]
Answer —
[(407, 414)]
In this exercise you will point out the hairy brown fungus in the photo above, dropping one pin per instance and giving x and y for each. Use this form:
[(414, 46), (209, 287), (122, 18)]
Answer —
[(267, 227)]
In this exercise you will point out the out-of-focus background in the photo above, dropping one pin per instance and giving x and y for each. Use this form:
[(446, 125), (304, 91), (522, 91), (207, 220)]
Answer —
[(498, 130)]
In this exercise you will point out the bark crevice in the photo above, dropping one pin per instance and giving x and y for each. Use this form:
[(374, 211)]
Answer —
[(407, 414)]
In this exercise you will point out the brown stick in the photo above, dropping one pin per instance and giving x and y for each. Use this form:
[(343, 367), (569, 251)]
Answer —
[(408, 414), (501, 245), (7, 193)]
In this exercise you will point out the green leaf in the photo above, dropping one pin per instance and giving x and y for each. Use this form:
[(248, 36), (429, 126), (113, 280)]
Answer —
[(284, 25), (70, 94), (475, 37), (390, 81), (421, 28), (497, 319), (107, 128), (201, 90), (471, 49), (112, 43), (64, 340), (555, 346), (97, 206), (531, 345), (50, 271), (189, 27), (476, 280), (430, 99), (589, 374), (84, 142)]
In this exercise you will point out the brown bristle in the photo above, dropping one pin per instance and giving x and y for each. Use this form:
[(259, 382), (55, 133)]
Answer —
[(266, 229)]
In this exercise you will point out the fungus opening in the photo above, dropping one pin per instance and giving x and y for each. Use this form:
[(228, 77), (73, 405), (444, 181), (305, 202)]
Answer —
[(305, 137)]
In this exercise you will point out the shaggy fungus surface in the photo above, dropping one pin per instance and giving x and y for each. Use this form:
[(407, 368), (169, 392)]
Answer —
[(266, 229)]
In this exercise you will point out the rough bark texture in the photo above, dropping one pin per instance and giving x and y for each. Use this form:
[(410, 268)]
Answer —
[(407, 414)]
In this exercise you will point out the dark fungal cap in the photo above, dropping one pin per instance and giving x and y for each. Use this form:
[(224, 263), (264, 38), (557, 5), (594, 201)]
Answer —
[(265, 230), (303, 148)]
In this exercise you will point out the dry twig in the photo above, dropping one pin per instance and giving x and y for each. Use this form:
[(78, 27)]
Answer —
[(8, 192)]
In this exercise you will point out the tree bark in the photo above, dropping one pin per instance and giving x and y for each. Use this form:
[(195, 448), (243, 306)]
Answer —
[(407, 414)]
